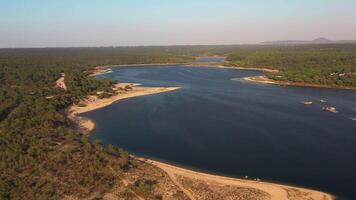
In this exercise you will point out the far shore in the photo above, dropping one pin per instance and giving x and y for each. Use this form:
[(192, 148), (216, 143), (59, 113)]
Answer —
[(220, 65), (106, 69), (266, 80), (275, 191)]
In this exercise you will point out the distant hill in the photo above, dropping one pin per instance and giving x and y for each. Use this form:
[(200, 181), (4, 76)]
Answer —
[(320, 40)]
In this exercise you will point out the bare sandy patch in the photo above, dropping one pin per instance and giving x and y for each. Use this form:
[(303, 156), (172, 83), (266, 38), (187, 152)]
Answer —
[(60, 82), (199, 185)]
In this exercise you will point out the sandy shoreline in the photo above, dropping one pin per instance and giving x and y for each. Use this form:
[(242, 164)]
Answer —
[(266, 80), (93, 102), (276, 191)]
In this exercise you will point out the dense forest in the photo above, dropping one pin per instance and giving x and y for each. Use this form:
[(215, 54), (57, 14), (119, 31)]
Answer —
[(333, 65), (42, 156)]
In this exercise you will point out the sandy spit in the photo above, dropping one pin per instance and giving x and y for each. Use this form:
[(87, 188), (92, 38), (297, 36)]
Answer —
[(266, 80), (93, 102)]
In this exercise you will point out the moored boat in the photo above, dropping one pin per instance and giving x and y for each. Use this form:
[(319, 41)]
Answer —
[(330, 109), (307, 102)]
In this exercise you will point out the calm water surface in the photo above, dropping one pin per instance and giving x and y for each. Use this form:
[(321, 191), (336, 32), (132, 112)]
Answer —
[(221, 124)]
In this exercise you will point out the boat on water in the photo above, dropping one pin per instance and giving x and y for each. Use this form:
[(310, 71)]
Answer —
[(330, 109), (322, 101), (307, 102)]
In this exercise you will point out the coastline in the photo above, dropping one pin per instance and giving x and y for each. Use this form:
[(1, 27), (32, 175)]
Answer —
[(181, 176), (91, 103), (220, 65), (274, 190), (107, 69), (265, 80)]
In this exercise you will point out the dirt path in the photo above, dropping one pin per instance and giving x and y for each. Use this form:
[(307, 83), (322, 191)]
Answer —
[(175, 181), (126, 183)]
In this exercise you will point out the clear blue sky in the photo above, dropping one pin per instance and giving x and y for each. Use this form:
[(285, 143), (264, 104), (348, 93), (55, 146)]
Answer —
[(48, 23)]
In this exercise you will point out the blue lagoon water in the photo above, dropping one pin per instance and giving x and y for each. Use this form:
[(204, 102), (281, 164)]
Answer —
[(218, 123)]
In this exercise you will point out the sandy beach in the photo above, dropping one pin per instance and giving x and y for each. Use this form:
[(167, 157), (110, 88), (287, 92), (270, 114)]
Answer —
[(93, 102), (184, 178), (266, 80)]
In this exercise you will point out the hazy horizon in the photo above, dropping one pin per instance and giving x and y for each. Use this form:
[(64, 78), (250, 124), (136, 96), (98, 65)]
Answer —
[(92, 23)]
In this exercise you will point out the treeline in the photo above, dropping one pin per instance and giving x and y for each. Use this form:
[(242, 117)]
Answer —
[(81, 57), (333, 65)]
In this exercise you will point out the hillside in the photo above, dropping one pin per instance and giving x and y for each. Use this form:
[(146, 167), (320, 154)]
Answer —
[(320, 40)]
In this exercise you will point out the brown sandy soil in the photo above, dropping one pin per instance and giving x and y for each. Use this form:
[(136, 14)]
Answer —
[(259, 79), (266, 80), (100, 70), (163, 186), (206, 186), (93, 102), (60, 82)]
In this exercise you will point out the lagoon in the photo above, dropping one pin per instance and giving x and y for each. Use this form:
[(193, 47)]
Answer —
[(218, 123)]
